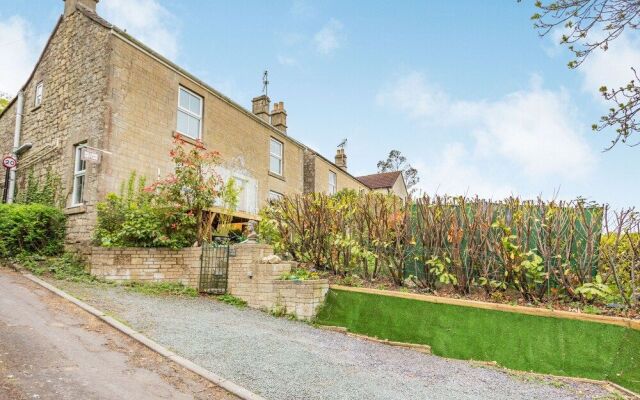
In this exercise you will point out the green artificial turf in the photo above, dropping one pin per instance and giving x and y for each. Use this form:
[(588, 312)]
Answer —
[(517, 341)]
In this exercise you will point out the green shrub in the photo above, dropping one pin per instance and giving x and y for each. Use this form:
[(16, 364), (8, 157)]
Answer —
[(136, 219), (32, 228), (68, 266), (299, 274), (232, 300)]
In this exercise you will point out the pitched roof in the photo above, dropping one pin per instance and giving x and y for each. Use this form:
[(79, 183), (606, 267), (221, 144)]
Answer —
[(382, 180)]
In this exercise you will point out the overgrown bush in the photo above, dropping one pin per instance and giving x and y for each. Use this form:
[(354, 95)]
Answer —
[(537, 250), (172, 212), (32, 228), (135, 218), (345, 233)]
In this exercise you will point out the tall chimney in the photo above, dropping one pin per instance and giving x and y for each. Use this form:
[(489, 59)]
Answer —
[(70, 5), (341, 159), (279, 117), (260, 107)]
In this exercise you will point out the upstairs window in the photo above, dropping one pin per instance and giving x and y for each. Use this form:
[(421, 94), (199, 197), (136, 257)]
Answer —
[(79, 174), (189, 114), (275, 157), (38, 97), (333, 182)]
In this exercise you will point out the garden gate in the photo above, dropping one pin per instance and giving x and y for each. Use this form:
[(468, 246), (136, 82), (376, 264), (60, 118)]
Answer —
[(214, 266)]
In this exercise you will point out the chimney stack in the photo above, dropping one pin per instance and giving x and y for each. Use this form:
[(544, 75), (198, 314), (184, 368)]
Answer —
[(70, 5), (279, 117), (341, 159), (260, 107)]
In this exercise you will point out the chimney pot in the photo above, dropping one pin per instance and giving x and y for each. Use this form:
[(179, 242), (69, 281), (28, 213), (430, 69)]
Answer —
[(71, 5)]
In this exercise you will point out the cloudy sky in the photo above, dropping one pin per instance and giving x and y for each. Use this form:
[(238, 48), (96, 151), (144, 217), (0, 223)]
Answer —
[(465, 89)]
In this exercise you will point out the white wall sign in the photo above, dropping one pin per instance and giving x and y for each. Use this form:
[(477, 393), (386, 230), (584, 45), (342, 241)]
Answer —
[(91, 155)]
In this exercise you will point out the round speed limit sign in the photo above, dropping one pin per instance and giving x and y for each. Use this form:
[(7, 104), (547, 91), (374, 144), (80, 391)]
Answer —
[(9, 162)]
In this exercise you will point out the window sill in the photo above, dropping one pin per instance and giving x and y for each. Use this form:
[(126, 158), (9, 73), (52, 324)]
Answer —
[(77, 209), (277, 176), (188, 139)]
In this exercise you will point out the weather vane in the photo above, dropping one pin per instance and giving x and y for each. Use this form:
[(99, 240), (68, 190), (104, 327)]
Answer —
[(265, 82), (343, 144)]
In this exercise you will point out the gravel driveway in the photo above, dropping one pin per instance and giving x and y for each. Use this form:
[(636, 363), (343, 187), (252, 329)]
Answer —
[(282, 359)]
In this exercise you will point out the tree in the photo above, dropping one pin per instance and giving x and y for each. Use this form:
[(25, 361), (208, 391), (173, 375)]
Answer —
[(3, 103), (397, 162), (591, 25)]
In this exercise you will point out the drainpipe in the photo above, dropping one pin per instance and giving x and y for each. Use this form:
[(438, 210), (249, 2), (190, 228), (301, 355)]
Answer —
[(16, 145)]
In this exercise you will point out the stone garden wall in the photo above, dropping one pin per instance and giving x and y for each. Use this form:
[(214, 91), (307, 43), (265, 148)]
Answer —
[(146, 264), (254, 274)]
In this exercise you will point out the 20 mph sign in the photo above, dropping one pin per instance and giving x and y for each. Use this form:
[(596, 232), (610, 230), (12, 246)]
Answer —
[(9, 162)]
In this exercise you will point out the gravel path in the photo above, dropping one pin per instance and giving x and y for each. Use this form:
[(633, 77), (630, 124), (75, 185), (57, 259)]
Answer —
[(282, 359)]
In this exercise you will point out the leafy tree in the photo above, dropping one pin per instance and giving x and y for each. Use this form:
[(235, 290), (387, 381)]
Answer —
[(397, 162), (590, 25), (3, 103)]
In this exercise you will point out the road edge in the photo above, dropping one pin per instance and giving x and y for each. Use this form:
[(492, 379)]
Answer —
[(226, 384)]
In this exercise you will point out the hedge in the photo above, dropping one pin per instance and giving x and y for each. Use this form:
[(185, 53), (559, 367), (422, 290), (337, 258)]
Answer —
[(524, 342), (33, 228)]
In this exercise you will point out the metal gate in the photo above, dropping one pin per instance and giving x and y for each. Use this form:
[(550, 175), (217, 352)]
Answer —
[(214, 266)]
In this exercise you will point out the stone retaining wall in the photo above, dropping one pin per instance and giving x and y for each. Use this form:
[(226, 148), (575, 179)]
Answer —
[(146, 264), (259, 283), (250, 277)]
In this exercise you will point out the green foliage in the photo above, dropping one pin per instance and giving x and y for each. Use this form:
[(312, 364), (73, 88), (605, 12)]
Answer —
[(41, 191), (524, 342), (3, 103), (596, 290), (137, 218), (346, 233), (161, 289), (232, 300), (33, 228), (68, 266), (300, 274), (229, 197), (170, 212)]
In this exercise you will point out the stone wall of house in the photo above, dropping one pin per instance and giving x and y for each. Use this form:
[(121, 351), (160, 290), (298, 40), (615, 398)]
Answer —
[(316, 178), (146, 264), (258, 282), (73, 70), (144, 95)]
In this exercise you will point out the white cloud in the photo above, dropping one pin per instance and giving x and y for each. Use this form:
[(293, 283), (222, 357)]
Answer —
[(412, 95), (452, 172), (611, 68), (329, 38), (532, 132), (147, 20), (19, 51)]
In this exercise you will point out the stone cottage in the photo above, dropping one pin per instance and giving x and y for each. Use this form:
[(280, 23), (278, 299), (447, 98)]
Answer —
[(96, 92)]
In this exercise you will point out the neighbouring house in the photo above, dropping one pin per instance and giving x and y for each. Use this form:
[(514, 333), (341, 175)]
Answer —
[(386, 182), (97, 89)]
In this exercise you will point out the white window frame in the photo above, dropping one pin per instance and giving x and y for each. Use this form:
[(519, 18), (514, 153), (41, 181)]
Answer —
[(37, 101), (279, 157), (333, 183), (275, 196), (190, 113), (77, 196)]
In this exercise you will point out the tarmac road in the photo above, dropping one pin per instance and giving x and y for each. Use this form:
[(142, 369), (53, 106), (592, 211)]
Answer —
[(50, 349)]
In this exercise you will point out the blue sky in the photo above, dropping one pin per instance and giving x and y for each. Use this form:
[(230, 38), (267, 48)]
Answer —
[(465, 89)]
